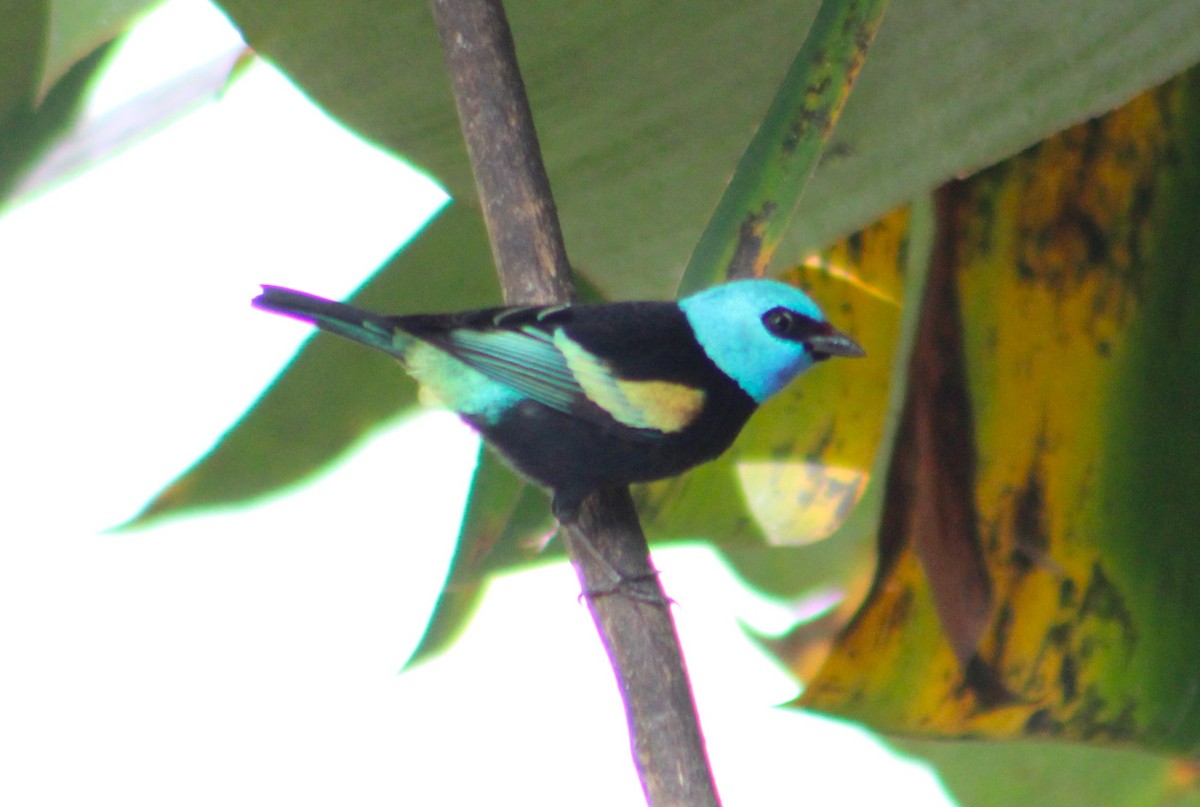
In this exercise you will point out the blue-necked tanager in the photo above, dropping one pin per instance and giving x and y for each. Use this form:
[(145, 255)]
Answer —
[(583, 397)]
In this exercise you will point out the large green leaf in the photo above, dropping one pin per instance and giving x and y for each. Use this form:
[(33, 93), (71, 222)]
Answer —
[(644, 108)]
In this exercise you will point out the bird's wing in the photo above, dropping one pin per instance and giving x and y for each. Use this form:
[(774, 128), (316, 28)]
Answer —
[(536, 351), (514, 346), (526, 360)]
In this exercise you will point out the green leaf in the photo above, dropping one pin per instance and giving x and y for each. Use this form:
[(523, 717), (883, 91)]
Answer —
[(22, 50), (28, 130), (49, 53), (643, 109), (503, 513), (77, 27), (1057, 775), (757, 207), (947, 94)]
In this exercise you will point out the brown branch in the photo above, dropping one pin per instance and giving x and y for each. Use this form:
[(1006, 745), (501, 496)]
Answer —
[(497, 124), (639, 635), (635, 627)]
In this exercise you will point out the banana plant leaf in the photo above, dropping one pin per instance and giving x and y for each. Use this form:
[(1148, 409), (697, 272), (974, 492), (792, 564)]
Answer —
[(1072, 270), (644, 109)]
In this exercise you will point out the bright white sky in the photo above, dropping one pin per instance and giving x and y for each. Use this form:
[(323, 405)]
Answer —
[(252, 657)]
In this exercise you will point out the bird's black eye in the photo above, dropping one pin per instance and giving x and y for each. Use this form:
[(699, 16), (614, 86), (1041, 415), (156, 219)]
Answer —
[(779, 321), (788, 324)]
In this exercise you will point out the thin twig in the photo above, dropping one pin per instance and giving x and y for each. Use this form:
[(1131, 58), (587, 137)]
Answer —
[(637, 631)]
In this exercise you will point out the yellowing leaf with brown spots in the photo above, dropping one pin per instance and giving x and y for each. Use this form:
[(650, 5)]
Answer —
[(1074, 273)]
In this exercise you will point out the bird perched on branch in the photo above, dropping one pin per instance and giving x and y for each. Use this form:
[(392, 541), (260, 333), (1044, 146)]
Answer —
[(583, 397)]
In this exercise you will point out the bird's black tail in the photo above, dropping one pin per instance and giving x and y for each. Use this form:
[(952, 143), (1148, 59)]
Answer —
[(345, 320)]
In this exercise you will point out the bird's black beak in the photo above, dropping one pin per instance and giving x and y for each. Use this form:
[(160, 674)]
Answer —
[(834, 343)]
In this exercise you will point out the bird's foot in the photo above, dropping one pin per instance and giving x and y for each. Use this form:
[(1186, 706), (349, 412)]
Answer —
[(643, 588), (565, 507), (640, 587)]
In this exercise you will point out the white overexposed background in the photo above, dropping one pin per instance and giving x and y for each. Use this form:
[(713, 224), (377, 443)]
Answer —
[(253, 656)]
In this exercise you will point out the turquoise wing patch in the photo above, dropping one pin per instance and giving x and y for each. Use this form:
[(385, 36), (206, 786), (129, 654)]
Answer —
[(526, 360)]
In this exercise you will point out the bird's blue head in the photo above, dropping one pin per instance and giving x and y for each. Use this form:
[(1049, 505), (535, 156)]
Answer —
[(763, 333)]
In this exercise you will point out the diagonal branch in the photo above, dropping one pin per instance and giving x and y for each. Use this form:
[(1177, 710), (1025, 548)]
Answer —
[(527, 244), (506, 159)]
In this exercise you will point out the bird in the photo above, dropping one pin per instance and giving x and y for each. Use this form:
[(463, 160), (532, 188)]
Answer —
[(581, 397)]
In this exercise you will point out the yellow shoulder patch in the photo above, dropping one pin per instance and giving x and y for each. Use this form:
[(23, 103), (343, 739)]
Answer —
[(660, 405)]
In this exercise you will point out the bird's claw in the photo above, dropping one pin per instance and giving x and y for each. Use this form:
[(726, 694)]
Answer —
[(640, 587)]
